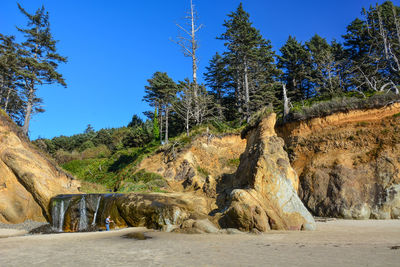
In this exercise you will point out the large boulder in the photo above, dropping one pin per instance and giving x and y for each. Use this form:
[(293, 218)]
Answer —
[(28, 180), (264, 188), (162, 211)]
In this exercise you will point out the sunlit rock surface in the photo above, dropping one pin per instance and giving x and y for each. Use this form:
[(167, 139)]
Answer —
[(348, 163), (28, 180)]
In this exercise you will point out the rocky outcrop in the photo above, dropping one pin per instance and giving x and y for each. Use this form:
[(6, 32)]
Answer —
[(260, 196), (27, 179), (263, 194), (197, 166), (163, 211), (348, 163)]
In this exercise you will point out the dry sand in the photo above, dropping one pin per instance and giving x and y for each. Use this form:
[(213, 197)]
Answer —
[(334, 243)]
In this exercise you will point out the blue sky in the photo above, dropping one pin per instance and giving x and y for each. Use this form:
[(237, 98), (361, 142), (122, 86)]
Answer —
[(113, 47)]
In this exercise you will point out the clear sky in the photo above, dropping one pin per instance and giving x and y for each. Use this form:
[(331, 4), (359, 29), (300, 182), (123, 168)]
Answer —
[(113, 47)]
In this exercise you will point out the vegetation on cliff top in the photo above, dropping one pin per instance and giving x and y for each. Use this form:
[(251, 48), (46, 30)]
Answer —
[(106, 160), (320, 108)]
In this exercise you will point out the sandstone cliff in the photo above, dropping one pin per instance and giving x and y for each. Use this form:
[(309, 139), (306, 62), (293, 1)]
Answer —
[(27, 179), (214, 188), (259, 193), (264, 192), (348, 163), (206, 159)]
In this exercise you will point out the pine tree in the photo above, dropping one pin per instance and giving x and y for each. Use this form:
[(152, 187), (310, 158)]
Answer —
[(10, 97), (160, 93), (156, 130), (324, 75), (39, 60), (262, 76), (244, 43), (372, 45), (294, 61), (217, 79)]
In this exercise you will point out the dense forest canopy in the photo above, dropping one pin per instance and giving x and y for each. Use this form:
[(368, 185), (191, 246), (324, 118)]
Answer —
[(239, 81)]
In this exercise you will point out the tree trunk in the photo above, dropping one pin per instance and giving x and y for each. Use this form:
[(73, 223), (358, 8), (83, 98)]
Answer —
[(29, 106), (166, 124), (194, 63), (7, 99), (161, 122), (246, 90), (187, 122), (285, 103)]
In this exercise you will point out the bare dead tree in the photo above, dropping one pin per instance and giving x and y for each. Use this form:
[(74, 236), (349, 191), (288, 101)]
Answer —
[(189, 44), (381, 67), (183, 106), (390, 56), (285, 103)]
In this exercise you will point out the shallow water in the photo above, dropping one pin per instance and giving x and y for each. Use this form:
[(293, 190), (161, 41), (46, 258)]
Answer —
[(137, 236)]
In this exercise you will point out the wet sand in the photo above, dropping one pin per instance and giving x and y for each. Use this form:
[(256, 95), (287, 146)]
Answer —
[(334, 243)]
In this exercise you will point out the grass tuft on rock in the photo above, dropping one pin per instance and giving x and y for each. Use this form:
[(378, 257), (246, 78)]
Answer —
[(256, 118)]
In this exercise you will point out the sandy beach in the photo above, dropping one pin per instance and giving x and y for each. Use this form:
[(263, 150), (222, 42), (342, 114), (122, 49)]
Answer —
[(335, 243)]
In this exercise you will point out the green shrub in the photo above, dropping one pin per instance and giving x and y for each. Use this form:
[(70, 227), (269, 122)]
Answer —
[(362, 124), (340, 104), (256, 119), (86, 145), (234, 162), (100, 151), (143, 181), (62, 156), (202, 171)]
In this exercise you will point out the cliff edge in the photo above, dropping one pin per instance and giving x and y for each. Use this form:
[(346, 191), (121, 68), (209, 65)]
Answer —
[(348, 162), (27, 179)]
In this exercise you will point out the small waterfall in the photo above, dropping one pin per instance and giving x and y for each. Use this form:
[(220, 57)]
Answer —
[(95, 212), (83, 224), (58, 212)]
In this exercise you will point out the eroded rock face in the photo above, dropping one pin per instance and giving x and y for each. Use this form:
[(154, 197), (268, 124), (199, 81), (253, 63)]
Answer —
[(260, 196), (198, 165), (348, 163), (167, 212), (264, 189), (27, 179), (162, 211)]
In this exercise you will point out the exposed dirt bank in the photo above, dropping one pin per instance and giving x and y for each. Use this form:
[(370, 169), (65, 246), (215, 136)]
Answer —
[(348, 163)]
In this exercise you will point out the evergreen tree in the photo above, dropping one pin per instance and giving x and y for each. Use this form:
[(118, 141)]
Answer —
[(324, 75), (135, 121), (295, 62), (156, 130), (39, 60), (10, 97), (244, 43), (160, 93), (217, 79), (372, 45), (263, 74)]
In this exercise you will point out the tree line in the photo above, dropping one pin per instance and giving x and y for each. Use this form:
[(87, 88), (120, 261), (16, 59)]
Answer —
[(249, 74), (240, 80)]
